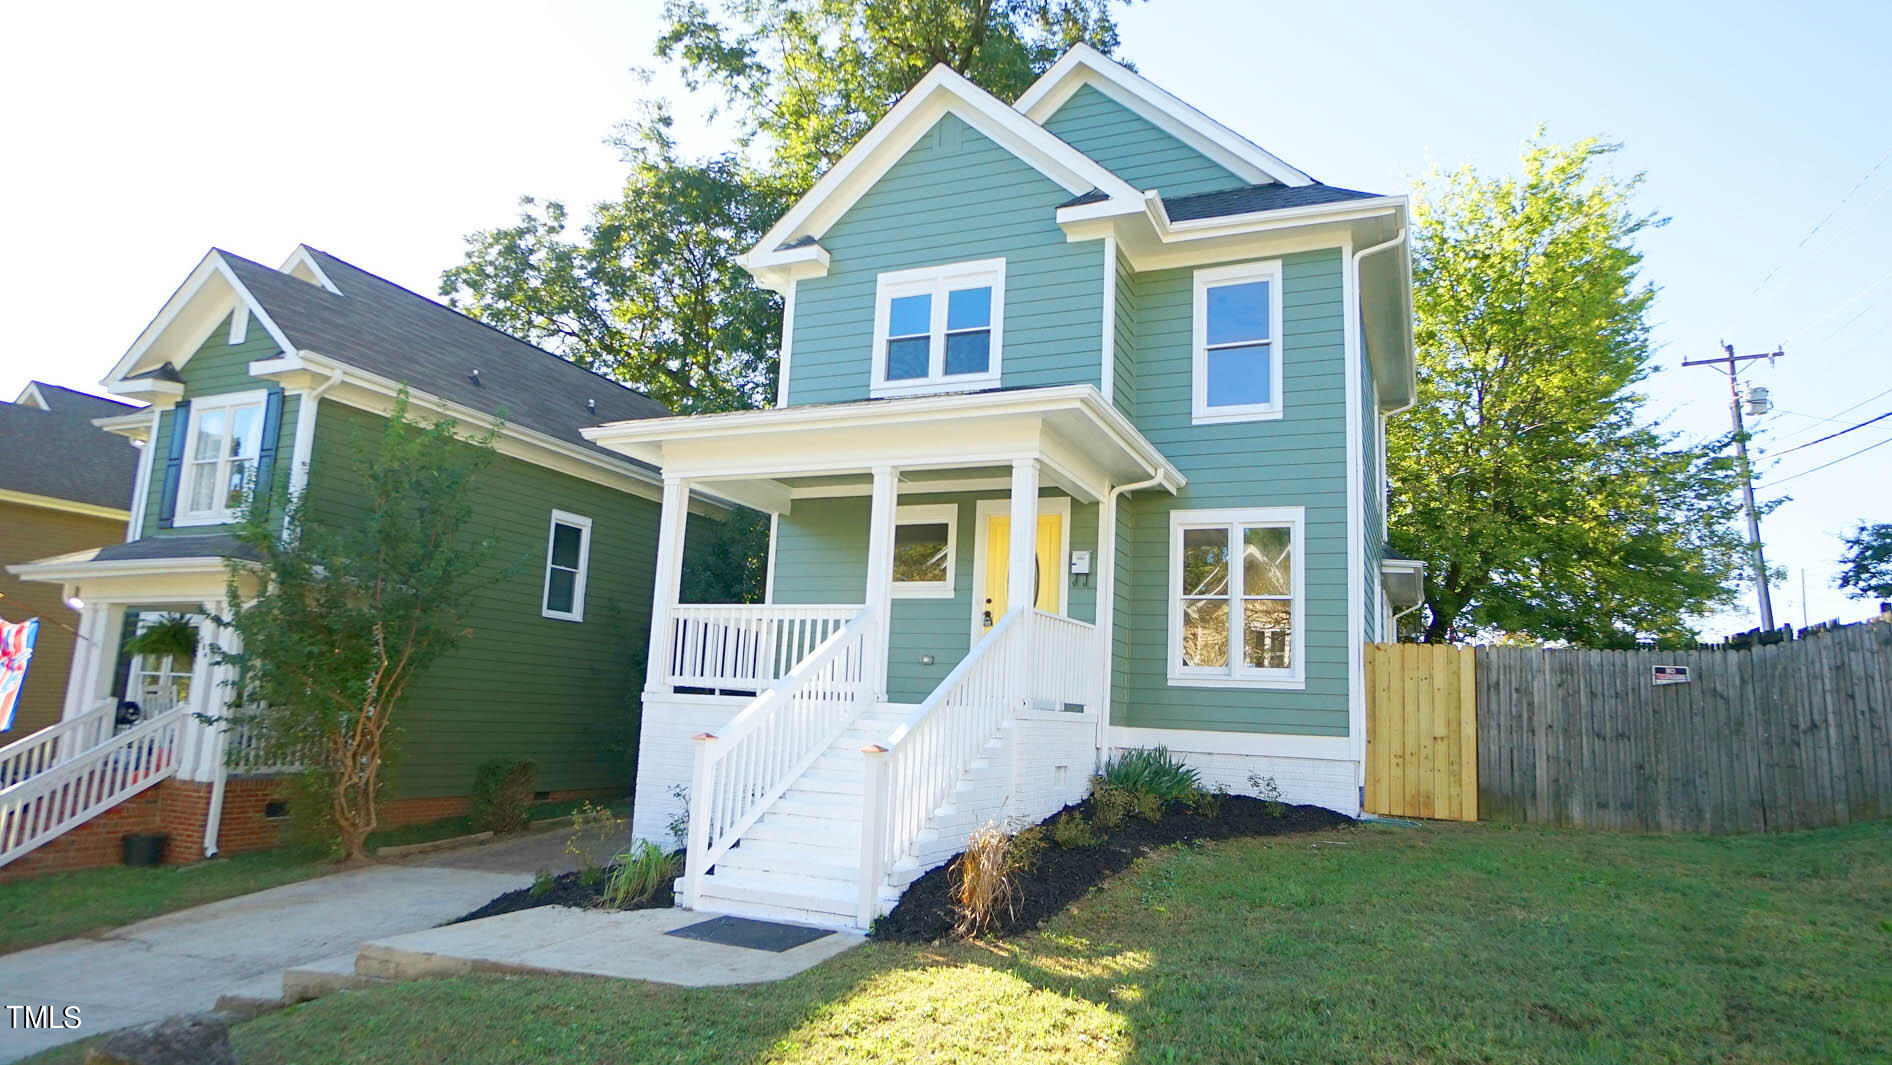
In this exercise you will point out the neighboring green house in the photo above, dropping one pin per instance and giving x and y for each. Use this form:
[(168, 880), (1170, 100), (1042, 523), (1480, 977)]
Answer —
[(1079, 447), (264, 377)]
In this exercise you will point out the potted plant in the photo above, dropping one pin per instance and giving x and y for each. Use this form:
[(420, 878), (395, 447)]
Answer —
[(174, 635)]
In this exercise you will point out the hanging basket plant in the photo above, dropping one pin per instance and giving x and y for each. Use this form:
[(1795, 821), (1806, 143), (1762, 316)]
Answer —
[(174, 635)]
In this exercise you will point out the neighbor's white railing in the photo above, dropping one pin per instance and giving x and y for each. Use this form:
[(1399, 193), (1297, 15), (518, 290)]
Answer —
[(746, 646), (56, 743), (1029, 658), (244, 753), (43, 807), (745, 767)]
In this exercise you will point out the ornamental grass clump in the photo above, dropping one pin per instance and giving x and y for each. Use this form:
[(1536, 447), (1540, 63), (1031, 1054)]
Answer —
[(638, 874), (1151, 771), (985, 888)]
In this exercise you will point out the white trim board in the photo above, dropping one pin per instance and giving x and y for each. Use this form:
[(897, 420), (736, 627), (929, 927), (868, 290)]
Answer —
[(197, 319), (1276, 744)]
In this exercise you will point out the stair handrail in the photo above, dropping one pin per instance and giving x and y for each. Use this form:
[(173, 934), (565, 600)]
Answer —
[(34, 754), (915, 770), (45, 806), (741, 769)]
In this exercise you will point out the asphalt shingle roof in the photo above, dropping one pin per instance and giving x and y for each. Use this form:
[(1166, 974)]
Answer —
[(83, 404), (211, 545), (378, 326), (64, 456), (1249, 199)]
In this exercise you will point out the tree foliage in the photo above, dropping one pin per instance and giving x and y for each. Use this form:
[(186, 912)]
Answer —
[(1526, 476), (807, 78), (648, 291), (350, 609), (1866, 565)]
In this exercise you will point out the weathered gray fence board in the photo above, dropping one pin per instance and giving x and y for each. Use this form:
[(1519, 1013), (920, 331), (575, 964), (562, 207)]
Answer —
[(1790, 735)]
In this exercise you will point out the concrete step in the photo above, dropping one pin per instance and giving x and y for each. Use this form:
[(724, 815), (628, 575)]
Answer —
[(803, 832), (836, 862), (253, 997), (320, 978)]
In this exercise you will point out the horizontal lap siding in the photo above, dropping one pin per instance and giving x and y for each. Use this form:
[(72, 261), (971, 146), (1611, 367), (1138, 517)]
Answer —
[(218, 368), (955, 196), (821, 557), (29, 533), (563, 694), (1299, 460), (1134, 149)]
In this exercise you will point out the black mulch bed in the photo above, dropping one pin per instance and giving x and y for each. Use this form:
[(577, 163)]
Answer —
[(925, 913), (566, 890)]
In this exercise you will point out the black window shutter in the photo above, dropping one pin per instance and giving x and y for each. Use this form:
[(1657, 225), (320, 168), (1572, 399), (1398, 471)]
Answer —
[(173, 462), (266, 451)]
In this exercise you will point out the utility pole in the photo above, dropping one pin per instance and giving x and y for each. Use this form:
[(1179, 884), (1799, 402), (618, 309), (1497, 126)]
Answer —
[(1730, 364)]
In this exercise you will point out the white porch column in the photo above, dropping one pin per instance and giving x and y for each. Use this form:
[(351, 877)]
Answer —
[(880, 575), (670, 526), (1022, 557), (82, 678)]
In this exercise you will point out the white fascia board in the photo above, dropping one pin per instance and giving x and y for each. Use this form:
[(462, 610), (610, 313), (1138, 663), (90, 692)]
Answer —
[(68, 569), (778, 270), (208, 269), (67, 506), (30, 397), (1085, 65), (301, 260), (941, 91), (1221, 225), (136, 425)]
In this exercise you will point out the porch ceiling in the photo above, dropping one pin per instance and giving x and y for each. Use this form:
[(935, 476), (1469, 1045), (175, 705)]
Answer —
[(767, 458)]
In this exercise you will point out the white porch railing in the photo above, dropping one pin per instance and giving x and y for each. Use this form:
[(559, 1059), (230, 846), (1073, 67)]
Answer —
[(746, 647), (244, 752), (753, 760), (44, 806), (1029, 657), (57, 743)]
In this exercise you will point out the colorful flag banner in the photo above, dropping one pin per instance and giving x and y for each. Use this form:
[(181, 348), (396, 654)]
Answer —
[(16, 649)]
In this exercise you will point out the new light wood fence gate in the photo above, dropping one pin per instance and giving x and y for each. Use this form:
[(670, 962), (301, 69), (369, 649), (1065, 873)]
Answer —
[(1421, 731)]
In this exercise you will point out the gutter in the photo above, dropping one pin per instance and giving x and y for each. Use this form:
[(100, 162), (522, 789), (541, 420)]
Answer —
[(1397, 240)]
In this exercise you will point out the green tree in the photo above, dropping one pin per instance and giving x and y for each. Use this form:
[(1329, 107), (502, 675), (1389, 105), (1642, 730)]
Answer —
[(1526, 477), (806, 78), (648, 291), (335, 618), (1866, 565)]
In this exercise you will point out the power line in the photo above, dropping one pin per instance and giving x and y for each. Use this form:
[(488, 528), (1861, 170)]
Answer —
[(1840, 306), (1838, 414), (1835, 462), (1829, 436), (1850, 193)]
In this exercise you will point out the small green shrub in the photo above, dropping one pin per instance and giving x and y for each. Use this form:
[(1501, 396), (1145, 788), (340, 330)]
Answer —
[(502, 795), (1026, 845), (1269, 793), (638, 874), (1151, 771), (542, 882), (1147, 806), (1071, 831), (597, 834), (1206, 803), (1109, 805)]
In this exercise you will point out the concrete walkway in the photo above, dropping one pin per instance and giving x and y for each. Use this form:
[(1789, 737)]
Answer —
[(185, 961)]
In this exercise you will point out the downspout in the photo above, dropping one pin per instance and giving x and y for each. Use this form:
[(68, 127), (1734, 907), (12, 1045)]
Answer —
[(1397, 239), (1106, 598)]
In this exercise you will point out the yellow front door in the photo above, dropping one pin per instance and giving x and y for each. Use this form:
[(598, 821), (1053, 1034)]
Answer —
[(998, 547)]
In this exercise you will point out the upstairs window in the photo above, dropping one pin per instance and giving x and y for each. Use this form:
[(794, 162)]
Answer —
[(1237, 343), (220, 456), (1236, 593), (567, 558), (938, 329)]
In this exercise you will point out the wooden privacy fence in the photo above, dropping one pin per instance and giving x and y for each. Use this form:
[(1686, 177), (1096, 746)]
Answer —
[(1421, 731), (1791, 735)]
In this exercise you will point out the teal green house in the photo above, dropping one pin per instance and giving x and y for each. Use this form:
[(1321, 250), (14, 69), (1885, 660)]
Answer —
[(1078, 447), (261, 378)]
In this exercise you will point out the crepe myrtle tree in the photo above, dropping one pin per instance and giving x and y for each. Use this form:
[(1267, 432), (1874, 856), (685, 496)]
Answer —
[(350, 605)]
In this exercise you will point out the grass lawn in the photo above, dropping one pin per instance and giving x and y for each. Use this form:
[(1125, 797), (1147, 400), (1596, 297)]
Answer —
[(62, 905), (1446, 943)]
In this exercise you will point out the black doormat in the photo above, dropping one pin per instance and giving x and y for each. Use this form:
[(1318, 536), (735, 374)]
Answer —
[(755, 935)]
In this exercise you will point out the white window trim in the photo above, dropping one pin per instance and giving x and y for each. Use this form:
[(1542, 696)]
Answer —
[(1235, 675), (937, 281), (931, 514), (181, 514), (1201, 413), (583, 525)]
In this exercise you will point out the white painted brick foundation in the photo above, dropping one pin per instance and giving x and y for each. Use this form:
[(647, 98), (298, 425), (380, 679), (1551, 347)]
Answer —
[(1322, 782), (666, 752), (1040, 763)]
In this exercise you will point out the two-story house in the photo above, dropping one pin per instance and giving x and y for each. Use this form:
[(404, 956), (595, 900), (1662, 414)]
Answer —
[(1078, 448), (256, 379)]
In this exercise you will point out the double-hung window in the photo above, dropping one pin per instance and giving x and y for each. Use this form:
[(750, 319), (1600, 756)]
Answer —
[(567, 558), (225, 435), (1236, 593), (923, 547), (1237, 364), (939, 329)]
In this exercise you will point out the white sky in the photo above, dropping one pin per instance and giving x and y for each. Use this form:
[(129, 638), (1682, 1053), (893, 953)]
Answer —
[(136, 136)]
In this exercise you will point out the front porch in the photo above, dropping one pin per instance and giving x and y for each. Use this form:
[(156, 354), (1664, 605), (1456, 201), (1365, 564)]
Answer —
[(933, 653)]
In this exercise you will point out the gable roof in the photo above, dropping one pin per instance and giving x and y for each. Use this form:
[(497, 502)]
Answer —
[(62, 455), (65, 400), (1253, 199), (1085, 65), (942, 91)]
